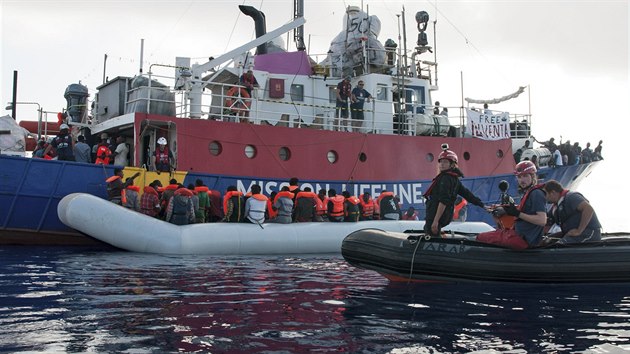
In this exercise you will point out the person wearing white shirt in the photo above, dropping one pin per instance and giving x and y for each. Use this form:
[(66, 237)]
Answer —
[(121, 152)]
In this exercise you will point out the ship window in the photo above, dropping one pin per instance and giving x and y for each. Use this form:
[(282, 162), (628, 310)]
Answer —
[(215, 148), (297, 92), (284, 153), (466, 156), (250, 151), (430, 157), (500, 153), (381, 93), (362, 157), (332, 156)]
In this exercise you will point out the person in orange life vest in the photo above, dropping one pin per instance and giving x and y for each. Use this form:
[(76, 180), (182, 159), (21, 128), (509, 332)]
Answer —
[(167, 194), (351, 206), (574, 214), (116, 188), (249, 81), (103, 153), (201, 215), (530, 214), (233, 205), (150, 200), (180, 209), (410, 214), (441, 194), (461, 209), (336, 206), (388, 206), (162, 158), (306, 206), (366, 206), (283, 206), (256, 206), (294, 187), (132, 195), (321, 211)]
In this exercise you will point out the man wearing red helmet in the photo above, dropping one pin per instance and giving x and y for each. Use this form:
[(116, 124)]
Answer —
[(530, 213), (441, 194)]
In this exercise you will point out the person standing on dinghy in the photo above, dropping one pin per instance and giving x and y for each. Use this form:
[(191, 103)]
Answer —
[(530, 213), (116, 188), (441, 194)]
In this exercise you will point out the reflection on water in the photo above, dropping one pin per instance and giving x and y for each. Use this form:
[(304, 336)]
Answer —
[(78, 300)]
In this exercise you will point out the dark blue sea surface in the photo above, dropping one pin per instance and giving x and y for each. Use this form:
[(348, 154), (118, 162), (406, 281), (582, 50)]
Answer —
[(92, 300)]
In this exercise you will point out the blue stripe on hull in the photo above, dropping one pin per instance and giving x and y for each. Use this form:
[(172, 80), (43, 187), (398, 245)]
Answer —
[(30, 189)]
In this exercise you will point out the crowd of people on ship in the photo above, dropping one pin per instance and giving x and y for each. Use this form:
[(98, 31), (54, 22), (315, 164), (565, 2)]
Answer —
[(182, 205), (106, 151), (562, 154)]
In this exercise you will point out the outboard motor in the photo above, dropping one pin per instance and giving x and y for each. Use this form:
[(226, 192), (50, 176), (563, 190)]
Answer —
[(76, 98)]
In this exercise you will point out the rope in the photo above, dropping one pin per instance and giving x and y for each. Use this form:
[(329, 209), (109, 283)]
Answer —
[(413, 257)]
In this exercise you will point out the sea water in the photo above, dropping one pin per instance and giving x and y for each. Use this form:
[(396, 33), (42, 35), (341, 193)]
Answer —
[(69, 299)]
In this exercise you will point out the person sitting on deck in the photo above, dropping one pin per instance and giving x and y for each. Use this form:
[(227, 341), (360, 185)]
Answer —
[(180, 209), (150, 200), (336, 206), (116, 188), (283, 205), (233, 205), (305, 206), (256, 206)]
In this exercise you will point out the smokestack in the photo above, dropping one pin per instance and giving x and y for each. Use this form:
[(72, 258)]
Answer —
[(260, 24)]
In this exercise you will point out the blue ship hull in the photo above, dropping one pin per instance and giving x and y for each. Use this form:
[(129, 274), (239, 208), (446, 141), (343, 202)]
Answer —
[(30, 190)]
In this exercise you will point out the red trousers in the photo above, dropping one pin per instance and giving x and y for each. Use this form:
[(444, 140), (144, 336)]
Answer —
[(503, 237)]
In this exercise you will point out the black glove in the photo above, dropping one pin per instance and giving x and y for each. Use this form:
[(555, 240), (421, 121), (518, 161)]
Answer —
[(479, 203), (511, 210)]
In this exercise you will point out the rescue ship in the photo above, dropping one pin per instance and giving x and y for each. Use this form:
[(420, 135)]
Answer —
[(285, 127)]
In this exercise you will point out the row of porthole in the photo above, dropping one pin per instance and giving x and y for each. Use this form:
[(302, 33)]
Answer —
[(284, 153)]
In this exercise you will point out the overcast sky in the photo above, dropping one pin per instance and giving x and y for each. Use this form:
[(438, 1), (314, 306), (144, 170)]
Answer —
[(572, 54)]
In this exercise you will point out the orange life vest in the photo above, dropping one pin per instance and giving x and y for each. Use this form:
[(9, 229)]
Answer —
[(283, 194), (322, 205), (458, 208), (367, 207), (102, 155), (337, 201), (123, 194)]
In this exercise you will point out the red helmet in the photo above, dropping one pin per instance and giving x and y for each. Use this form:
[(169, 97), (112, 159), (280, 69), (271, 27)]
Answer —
[(524, 167), (449, 155)]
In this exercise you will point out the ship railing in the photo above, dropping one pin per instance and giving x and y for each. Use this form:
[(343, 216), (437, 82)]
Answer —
[(314, 112), (317, 113)]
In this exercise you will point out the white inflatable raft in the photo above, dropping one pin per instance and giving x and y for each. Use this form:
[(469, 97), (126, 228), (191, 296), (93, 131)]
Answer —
[(136, 232)]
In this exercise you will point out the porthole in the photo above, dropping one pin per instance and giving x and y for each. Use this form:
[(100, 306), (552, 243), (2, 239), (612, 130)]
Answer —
[(362, 157), (284, 153), (466, 156), (332, 156), (500, 153), (215, 148), (250, 151), (430, 157)]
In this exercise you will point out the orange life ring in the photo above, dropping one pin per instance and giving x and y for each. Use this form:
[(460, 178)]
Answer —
[(237, 99)]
